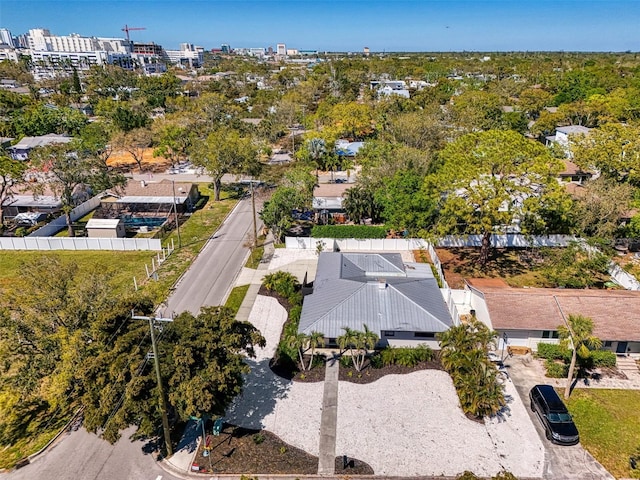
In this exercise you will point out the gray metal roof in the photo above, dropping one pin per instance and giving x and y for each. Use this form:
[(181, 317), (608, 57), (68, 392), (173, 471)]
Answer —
[(27, 143), (155, 200), (344, 295)]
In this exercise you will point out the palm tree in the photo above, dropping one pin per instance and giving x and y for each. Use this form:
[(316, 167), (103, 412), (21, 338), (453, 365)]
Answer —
[(299, 341), (577, 333), (317, 149), (315, 340), (348, 341), (366, 341)]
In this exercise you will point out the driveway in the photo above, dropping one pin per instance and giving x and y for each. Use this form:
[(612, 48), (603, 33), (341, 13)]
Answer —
[(565, 462)]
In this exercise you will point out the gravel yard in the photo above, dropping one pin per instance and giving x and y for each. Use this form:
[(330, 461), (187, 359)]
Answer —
[(400, 425)]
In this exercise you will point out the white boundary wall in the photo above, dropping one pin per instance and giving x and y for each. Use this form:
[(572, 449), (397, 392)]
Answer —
[(60, 223), (79, 243), (399, 244), (623, 278)]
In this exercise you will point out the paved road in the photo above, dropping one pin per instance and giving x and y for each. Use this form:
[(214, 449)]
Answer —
[(83, 456), (561, 462), (210, 277)]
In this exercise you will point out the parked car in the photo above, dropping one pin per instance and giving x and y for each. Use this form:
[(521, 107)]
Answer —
[(555, 418)]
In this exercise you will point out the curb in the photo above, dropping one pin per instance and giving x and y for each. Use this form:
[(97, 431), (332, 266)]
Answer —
[(57, 435)]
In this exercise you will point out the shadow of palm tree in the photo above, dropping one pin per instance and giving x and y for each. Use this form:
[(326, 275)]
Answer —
[(262, 389)]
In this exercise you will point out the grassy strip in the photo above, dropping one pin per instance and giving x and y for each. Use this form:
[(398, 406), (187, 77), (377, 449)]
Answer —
[(36, 437), (255, 256), (609, 425), (194, 233), (236, 298)]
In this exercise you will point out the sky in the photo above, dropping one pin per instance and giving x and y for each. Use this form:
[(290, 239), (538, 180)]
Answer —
[(344, 25)]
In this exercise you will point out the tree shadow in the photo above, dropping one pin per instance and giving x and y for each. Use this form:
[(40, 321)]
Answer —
[(262, 390)]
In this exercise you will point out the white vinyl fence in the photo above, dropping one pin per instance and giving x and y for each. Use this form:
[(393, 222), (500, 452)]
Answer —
[(60, 223), (623, 278), (399, 244), (508, 240), (79, 243)]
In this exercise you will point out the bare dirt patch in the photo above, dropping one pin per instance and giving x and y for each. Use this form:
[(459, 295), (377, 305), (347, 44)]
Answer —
[(122, 159), (518, 267)]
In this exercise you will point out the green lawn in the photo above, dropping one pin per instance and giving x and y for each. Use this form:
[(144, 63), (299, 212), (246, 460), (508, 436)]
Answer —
[(236, 297), (609, 425)]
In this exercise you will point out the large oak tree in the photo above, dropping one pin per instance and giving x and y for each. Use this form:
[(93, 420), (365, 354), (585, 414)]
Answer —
[(491, 181)]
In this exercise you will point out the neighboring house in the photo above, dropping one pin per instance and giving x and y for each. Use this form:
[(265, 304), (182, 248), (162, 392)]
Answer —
[(573, 174), (344, 148), (328, 198), (20, 151), (529, 316), (148, 198), (400, 302), (390, 87), (22, 203), (563, 137)]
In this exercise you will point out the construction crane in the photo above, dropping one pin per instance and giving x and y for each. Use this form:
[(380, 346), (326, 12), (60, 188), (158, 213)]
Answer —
[(127, 29)]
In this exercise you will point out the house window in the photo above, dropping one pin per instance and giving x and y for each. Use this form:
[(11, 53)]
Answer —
[(549, 334), (388, 333), (331, 341), (424, 335), (607, 344)]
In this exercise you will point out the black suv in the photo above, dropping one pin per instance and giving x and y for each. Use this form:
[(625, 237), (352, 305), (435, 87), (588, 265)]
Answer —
[(553, 414)]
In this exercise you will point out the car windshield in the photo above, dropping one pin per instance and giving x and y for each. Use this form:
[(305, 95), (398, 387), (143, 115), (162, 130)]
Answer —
[(559, 417)]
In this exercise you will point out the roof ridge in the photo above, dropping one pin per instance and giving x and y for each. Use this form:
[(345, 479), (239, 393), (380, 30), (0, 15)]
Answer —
[(420, 306), (335, 306)]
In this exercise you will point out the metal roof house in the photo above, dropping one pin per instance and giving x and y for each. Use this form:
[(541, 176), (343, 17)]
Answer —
[(20, 151), (401, 302)]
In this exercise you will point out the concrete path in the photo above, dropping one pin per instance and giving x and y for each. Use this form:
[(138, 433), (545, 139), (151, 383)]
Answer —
[(254, 279), (329, 420)]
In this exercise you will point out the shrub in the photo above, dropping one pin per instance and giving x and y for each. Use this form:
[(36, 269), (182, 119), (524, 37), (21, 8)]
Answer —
[(258, 438), (602, 358), (467, 475), (505, 476), (348, 231), (346, 361), (376, 361), (555, 369), (283, 283), (553, 351), (21, 231), (405, 356)]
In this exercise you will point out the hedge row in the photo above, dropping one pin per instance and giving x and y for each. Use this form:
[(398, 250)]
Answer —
[(554, 353), (348, 231)]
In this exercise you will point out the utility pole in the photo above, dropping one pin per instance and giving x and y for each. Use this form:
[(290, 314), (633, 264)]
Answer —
[(163, 401), (253, 208), (175, 212)]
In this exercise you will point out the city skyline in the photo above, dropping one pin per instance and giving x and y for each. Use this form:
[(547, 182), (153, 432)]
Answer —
[(487, 25)]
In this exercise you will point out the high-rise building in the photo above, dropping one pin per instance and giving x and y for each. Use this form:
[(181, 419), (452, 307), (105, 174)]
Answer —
[(6, 38), (225, 48), (281, 49), (366, 51)]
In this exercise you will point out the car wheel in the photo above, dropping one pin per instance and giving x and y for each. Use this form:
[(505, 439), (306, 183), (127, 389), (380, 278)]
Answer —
[(548, 435), (533, 407)]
